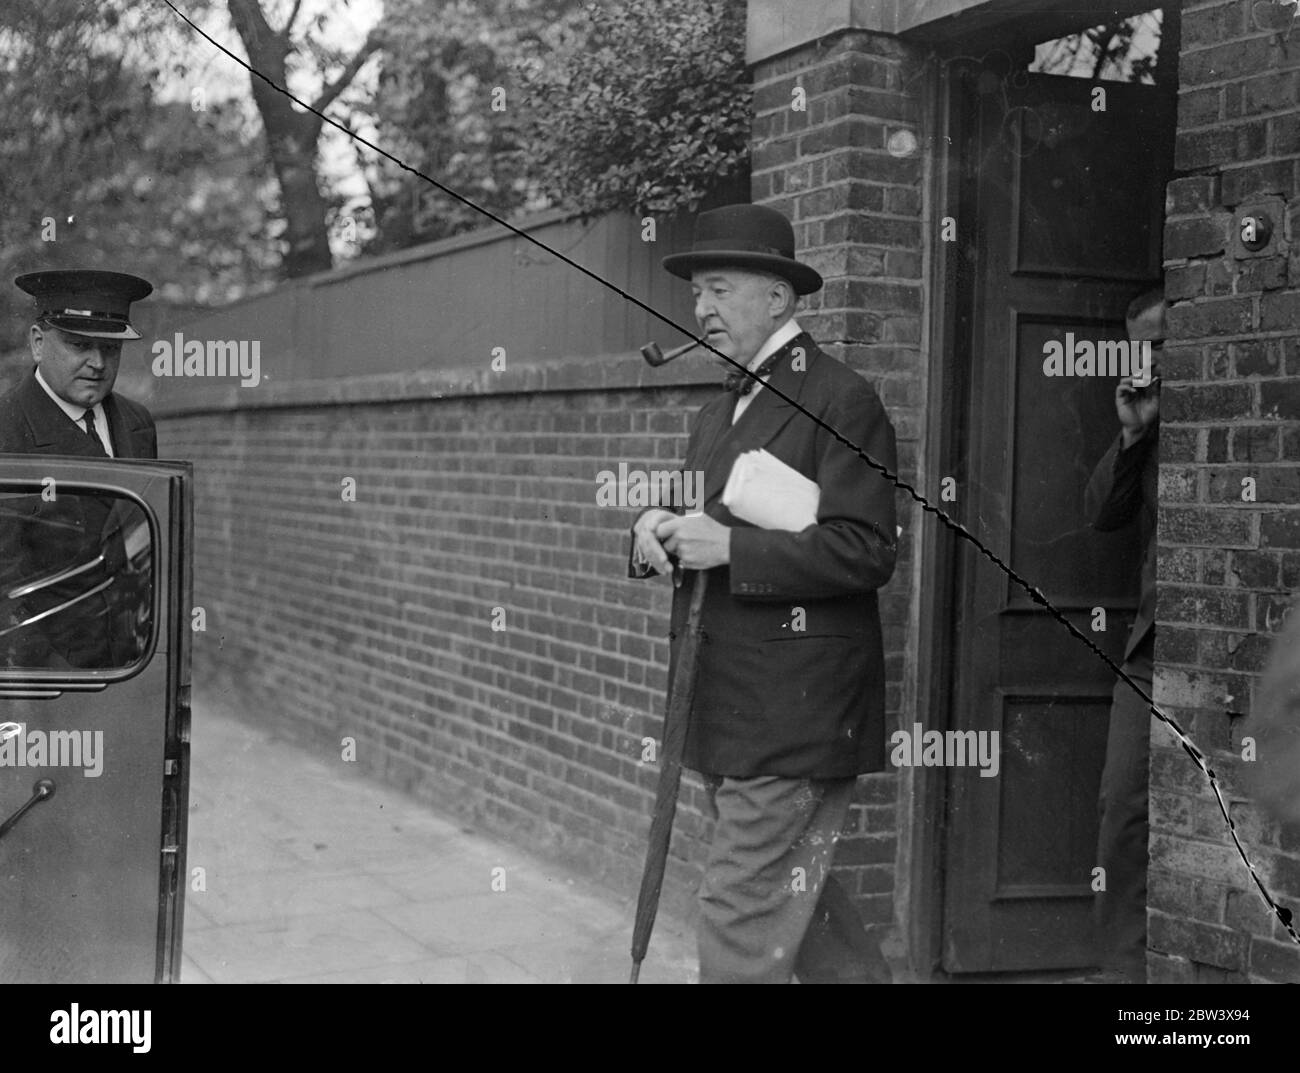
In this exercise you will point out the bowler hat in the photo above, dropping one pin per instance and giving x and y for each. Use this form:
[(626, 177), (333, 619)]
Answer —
[(86, 301), (745, 236)]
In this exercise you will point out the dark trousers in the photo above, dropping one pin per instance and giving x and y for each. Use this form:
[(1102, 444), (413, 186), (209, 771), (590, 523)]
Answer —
[(769, 906), (1120, 911)]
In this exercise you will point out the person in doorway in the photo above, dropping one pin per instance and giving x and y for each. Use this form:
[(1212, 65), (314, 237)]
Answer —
[(1122, 490)]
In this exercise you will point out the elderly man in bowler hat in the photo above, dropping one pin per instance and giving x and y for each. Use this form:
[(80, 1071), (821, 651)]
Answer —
[(790, 699)]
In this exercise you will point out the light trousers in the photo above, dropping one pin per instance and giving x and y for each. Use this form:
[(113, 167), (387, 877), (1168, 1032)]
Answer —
[(769, 906)]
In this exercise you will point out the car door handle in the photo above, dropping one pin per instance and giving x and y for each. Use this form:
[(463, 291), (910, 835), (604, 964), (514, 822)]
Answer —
[(43, 790)]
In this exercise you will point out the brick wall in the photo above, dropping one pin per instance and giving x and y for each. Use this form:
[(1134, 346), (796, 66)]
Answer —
[(1227, 567), (373, 619), (847, 170)]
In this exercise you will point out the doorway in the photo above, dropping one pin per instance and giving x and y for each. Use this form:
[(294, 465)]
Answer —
[(1062, 150)]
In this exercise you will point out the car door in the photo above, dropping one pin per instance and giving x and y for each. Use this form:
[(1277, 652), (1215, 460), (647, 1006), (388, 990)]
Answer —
[(94, 718)]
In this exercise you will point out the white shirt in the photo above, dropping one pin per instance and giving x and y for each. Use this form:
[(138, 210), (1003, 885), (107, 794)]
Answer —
[(774, 342), (75, 414)]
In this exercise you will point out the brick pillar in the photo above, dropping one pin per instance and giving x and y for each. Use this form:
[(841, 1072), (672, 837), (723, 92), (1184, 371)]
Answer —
[(847, 169), (1230, 410)]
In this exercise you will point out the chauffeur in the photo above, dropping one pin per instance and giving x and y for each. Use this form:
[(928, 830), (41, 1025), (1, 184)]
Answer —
[(790, 702), (66, 406)]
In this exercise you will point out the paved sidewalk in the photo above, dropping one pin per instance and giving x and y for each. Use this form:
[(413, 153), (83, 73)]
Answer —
[(317, 874)]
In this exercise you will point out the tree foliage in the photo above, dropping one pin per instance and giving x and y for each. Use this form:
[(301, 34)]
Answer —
[(647, 107), (293, 134), (1124, 49), (101, 172), (514, 103), (447, 102)]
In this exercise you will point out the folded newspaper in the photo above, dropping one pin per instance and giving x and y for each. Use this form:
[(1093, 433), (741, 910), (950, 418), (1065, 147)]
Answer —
[(765, 492)]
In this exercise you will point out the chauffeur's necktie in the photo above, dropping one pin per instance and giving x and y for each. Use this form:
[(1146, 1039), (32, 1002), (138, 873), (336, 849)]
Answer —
[(88, 419)]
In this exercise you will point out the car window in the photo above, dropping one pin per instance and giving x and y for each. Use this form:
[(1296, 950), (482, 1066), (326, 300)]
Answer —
[(76, 580)]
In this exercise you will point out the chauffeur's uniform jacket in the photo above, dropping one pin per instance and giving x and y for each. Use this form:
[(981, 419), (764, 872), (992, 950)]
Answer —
[(772, 699), (31, 424)]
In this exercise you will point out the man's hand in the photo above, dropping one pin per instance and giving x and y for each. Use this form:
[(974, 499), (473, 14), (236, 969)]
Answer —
[(698, 541), (1136, 408), (648, 548)]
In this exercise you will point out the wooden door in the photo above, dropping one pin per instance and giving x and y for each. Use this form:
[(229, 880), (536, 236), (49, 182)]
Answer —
[(1069, 203)]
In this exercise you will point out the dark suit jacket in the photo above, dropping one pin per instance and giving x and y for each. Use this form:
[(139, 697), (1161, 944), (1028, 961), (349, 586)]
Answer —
[(31, 424), (772, 699), (1123, 487), (39, 538)]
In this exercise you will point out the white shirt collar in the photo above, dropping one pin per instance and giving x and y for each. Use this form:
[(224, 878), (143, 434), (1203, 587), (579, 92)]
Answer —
[(77, 413), (771, 345), (74, 412), (775, 342)]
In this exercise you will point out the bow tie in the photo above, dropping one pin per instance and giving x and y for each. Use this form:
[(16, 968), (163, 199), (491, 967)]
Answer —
[(742, 385)]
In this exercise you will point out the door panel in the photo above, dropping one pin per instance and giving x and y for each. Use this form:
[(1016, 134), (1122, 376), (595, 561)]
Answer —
[(1095, 166), (90, 888), (1069, 204), (1068, 425)]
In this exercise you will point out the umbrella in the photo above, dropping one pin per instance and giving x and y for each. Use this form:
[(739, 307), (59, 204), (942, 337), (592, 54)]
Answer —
[(681, 694)]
